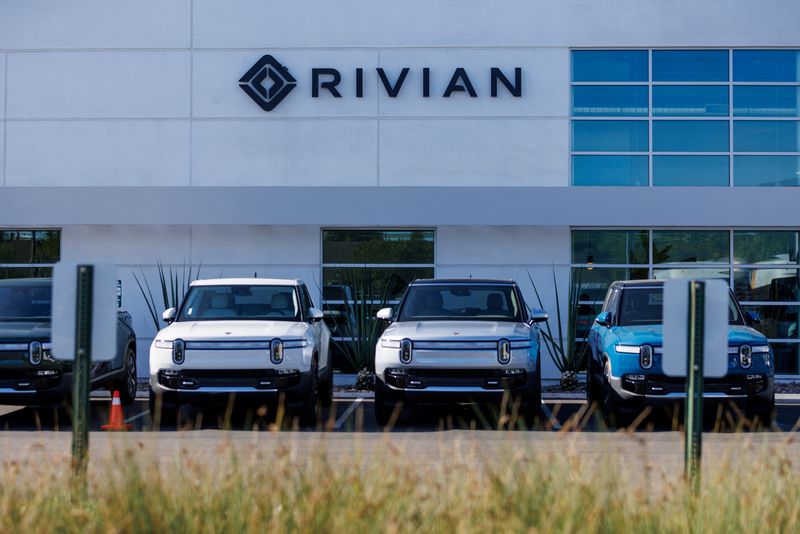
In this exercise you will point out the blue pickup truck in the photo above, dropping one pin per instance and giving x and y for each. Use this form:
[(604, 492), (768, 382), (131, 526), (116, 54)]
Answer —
[(626, 341), (30, 375)]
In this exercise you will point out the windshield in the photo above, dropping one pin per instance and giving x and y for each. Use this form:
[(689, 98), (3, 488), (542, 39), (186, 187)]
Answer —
[(240, 302), (460, 302), (25, 302), (644, 306)]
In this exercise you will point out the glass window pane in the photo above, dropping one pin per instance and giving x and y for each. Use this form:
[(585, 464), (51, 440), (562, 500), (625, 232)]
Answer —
[(609, 136), (377, 246), (609, 66), (25, 272), (691, 272), (690, 246), (592, 284), (786, 358), (690, 136), (766, 284), (777, 321), (766, 136), (690, 65), (610, 246), (765, 101), (690, 170), (690, 101), (609, 170), (609, 100), (766, 65), (777, 247), (765, 171), (30, 246), (375, 283)]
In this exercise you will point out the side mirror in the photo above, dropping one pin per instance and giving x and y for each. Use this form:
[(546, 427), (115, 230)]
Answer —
[(169, 315), (539, 316), (604, 319), (315, 314), (753, 318), (384, 314)]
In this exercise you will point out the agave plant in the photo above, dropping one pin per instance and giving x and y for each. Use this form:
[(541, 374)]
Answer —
[(174, 285), (570, 359)]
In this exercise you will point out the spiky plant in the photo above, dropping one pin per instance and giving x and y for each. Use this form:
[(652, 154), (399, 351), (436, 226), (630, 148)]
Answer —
[(173, 285)]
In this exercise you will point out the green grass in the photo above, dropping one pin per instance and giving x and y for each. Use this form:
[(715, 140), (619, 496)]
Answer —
[(276, 491)]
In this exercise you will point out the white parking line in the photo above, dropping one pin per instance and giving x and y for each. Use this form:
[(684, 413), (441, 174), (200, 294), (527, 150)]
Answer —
[(550, 417), (137, 416), (350, 409)]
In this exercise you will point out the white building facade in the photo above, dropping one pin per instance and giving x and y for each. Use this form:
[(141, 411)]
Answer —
[(574, 141)]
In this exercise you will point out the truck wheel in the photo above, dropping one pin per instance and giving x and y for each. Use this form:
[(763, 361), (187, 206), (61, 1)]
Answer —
[(326, 390), (534, 411), (308, 416), (611, 411), (127, 386), (592, 391), (383, 409), (164, 413)]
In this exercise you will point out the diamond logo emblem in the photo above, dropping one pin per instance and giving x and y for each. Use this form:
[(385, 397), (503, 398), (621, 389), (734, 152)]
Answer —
[(280, 84)]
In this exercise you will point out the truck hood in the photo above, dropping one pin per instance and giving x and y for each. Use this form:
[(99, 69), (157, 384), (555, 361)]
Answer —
[(232, 330), (24, 331), (456, 330), (653, 335)]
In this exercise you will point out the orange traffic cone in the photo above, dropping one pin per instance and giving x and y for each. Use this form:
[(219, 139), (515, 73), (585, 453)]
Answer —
[(116, 421)]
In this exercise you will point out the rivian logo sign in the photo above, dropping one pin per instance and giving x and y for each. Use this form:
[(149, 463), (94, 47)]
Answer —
[(281, 82)]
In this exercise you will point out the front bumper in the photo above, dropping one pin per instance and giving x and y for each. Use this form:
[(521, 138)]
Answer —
[(218, 386), (22, 387), (447, 386)]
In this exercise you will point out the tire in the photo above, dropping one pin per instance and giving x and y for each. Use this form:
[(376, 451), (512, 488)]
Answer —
[(127, 386), (534, 410), (326, 390), (383, 411), (611, 412), (169, 412), (308, 415), (763, 415), (593, 392)]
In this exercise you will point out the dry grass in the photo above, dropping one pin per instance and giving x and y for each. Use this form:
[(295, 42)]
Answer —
[(275, 490)]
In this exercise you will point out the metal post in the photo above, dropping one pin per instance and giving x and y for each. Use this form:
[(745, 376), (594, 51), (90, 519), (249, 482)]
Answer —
[(80, 370), (694, 383)]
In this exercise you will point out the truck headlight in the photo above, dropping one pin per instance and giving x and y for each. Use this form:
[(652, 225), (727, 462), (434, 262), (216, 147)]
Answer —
[(745, 356), (405, 351), (390, 343), (163, 344), (646, 356), (178, 351), (503, 351)]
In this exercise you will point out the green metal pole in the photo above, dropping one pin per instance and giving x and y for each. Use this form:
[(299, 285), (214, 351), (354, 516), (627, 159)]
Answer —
[(80, 370), (694, 384)]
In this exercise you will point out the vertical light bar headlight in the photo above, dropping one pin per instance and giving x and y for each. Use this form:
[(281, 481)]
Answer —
[(276, 351), (503, 351), (646, 356), (35, 353), (178, 351), (745, 356), (406, 348)]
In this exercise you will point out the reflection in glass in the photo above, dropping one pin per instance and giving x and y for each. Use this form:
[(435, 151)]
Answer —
[(786, 358), (690, 246), (379, 283), (690, 65), (765, 101), (690, 272), (609, 100), (780, 285), (690, 136), (30, 246), (690, 171), (777, 321), (609, 170), (774, 247), (609, 66), (766, 65), (610, 246), (609, 136), (592, 284), (766, 171), (690, 100), (377, 246), (766, 136)]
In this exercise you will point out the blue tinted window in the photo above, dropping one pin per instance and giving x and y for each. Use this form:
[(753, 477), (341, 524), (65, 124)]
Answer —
[(690, 136), (609, 170), (690, 170), (599, 100), (766, 136), (690, 65), (766, 65), (609, 66), (609, 136), (766, 170), (766, 101), (690, 100)]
